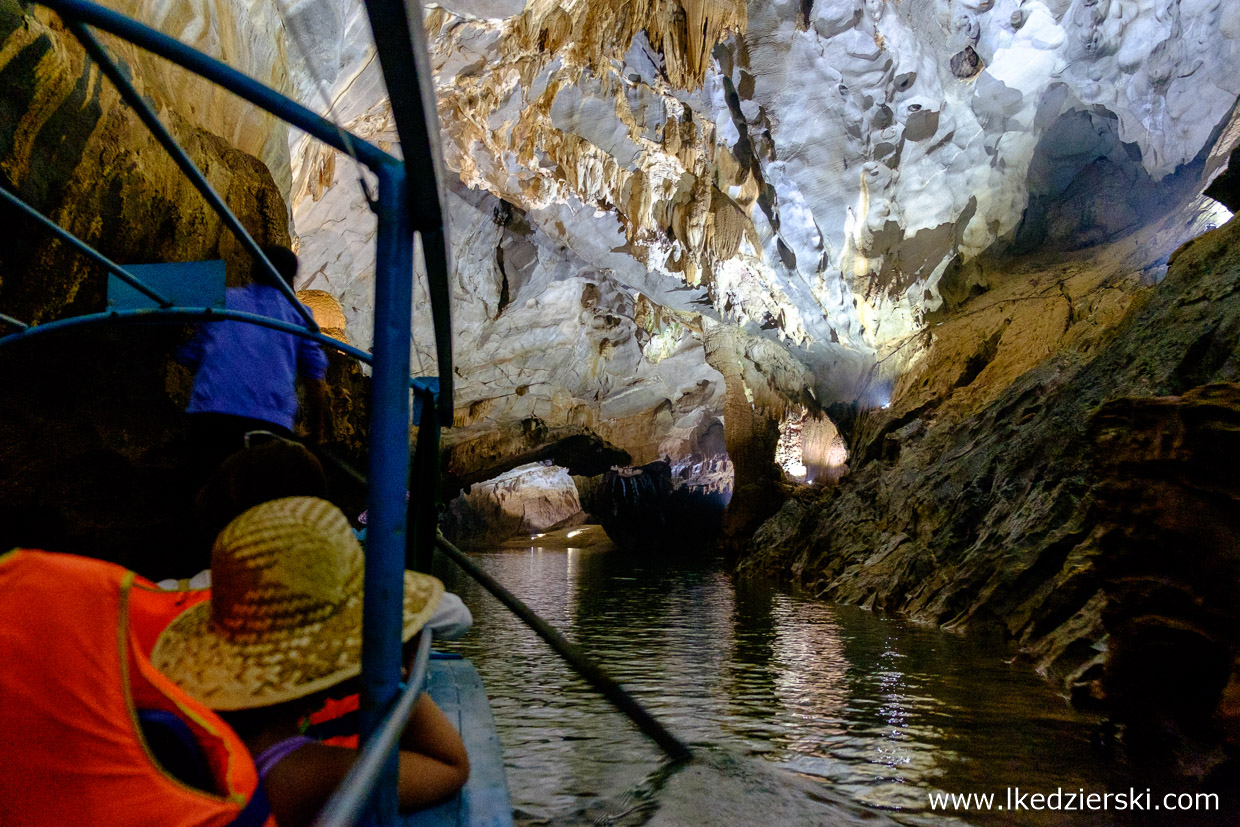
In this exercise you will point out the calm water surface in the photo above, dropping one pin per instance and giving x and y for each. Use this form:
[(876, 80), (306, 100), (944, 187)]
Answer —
[(874, 710)]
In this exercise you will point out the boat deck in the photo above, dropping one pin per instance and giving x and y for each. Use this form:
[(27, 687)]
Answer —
[(457, 689)]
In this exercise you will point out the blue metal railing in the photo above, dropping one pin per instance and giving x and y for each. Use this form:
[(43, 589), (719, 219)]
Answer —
[(408, 201), (383, 608)]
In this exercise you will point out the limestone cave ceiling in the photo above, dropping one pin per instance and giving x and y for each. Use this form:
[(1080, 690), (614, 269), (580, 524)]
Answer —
[(646, 195)]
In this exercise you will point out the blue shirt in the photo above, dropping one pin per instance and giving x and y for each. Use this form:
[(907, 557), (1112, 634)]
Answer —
[(251, 371)]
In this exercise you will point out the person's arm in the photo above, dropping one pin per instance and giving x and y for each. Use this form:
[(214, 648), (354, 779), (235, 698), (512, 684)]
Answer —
[(190, 353), (433, 767), (433, 763), (312, 368)]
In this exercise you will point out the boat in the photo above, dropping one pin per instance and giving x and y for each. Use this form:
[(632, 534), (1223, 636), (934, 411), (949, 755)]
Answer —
[(408, 200)]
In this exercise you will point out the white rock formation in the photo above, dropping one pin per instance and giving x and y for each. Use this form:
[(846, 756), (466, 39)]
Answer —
[(819, 172), (526, 499)]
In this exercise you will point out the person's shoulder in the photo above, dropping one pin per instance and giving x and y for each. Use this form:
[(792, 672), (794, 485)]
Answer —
[(272, 301), (243, 297)]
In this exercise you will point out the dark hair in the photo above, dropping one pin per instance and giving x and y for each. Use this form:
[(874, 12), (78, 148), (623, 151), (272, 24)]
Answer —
[(270, 471), (285, 261)]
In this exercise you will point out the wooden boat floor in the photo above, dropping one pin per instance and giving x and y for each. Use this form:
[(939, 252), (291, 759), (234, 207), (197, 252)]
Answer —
[(457, 689)]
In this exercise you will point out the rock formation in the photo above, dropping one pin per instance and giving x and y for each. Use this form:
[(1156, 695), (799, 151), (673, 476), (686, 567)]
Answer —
[(824, 176), (525, 500), (973, 500), (1170, 558), (647, 511)]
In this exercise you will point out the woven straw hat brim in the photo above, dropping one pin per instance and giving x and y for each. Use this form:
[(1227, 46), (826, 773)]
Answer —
[(283, 666)]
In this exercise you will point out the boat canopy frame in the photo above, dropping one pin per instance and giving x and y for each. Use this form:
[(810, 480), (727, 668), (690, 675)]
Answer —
[(408, 201)]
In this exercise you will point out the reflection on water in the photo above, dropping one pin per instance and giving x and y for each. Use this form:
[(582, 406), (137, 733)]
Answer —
[(881, 710)]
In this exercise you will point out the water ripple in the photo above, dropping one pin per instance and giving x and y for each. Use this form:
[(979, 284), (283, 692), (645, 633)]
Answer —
[(877, 710)]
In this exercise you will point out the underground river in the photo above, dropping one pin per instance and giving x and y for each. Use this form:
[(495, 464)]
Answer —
[(824, 703)]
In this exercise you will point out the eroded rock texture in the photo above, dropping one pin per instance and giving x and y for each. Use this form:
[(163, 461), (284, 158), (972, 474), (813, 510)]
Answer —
[(525, 500), (1170, 556), (823, 176)]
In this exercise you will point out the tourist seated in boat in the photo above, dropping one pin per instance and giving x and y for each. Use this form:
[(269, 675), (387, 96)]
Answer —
[(90, 732), (280, 634), (273, 469), (267, 468)]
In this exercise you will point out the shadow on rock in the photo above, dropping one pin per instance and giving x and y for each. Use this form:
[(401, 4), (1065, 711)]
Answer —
[(644, 510)]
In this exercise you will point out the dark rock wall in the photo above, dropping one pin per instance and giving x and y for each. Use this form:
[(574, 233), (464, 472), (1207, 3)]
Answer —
[(75, 152), (644, 511), (1168, 532)]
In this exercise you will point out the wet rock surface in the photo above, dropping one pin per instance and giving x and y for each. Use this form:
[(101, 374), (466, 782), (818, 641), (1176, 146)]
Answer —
[(1168, 533), (990, 516), (525, 500), (644, 510)]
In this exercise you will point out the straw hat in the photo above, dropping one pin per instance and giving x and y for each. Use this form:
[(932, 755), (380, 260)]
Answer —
[(285, 615)]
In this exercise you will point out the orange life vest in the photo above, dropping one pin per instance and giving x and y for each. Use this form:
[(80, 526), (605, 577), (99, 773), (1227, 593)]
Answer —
[(75, 634)]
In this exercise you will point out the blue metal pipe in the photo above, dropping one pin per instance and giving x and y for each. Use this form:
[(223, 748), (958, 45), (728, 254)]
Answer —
[(85, 249), (186, 165), (17, 323), (383, 608), (400, 38), (175, 315), (239, 84)]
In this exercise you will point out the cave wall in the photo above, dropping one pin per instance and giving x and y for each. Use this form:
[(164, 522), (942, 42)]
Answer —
[(674, 219), (826, 176), (973, 500), (76, 153), (1167, 534)]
